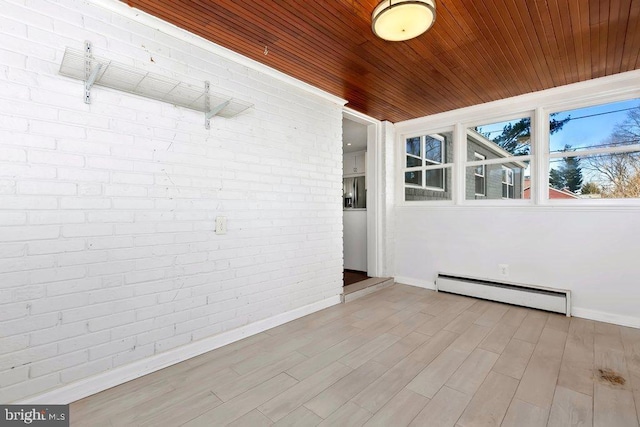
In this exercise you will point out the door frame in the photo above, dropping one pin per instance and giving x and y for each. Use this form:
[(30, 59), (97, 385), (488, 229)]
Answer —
[(375, 182)]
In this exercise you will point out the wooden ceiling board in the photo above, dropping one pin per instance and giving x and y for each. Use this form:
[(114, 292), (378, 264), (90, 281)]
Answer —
[(476, 52)]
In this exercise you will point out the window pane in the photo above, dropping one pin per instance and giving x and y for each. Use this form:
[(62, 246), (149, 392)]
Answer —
[(435, 178), (413, 161), (479, 186), (413, 146), (413, 178), (500, 139), (607, 125), (501, 181), (441, 177), (598, 176), (433, 149)]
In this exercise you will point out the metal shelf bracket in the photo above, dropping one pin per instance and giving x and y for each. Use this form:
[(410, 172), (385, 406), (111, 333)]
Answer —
[(89, 74), (211, 111)]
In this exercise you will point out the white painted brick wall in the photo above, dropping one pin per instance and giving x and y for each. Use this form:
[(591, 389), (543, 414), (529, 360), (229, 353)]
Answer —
[(107, 247)]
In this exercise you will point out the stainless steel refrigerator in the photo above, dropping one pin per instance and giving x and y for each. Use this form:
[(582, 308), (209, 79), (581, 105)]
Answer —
[(354, 193)]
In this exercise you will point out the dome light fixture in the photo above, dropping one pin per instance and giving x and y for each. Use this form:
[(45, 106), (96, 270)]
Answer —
[(400, 20)]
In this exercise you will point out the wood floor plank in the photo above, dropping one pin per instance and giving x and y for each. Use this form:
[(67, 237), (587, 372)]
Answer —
[(437, 323), (401, 349), (377, 394), (322, 360), (405, 327), (540, 377), (335, 396), (577, 368), (502, 333), (631, 343), (433, 377), (246, 345), (461, 323), (524, 414), (369, 350), (613, 401), (349, 415), (177, 413), (571, 408), (558, 321), (490, 403), (472, 372), (613, 407), (227, 390), (287, 401), (443, 410), (399, 411), (149, 408), (433, 347), (246, 402), (254, 418), (471, 338), (492, 315), (531, 326), (300, 417), (319, 345), (126, 398), (514, 358)]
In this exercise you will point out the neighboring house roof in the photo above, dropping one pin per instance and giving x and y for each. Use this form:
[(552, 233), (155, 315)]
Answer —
[(492, 146), (553, 192)]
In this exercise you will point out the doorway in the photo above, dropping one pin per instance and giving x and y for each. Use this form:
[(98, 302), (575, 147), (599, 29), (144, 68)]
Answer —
[(360, 176)]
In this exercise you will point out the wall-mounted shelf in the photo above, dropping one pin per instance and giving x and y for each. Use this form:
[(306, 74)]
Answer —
[(103, 72)]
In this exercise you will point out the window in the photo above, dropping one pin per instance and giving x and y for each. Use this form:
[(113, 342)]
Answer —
[(507, 183), (434, 150), (591, 152), (492, 148), (480, 175), (595, 152), (427, 174)]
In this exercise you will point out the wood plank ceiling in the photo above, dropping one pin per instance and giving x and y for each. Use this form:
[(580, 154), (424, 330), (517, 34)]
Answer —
[(477, 51)]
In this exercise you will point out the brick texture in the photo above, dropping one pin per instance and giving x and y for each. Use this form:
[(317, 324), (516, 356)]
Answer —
[(107, 247)]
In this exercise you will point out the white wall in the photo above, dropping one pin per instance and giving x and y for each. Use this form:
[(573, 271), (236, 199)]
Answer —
[(589, 247), (592, 253), (107, 248)]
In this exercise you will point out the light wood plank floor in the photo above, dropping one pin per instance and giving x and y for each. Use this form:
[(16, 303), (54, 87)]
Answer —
[(401, 356)]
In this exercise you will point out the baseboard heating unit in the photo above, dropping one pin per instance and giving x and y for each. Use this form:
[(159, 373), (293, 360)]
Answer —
[(555, 300)]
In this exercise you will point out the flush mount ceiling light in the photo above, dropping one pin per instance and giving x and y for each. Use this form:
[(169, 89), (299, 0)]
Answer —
[(399, 20)]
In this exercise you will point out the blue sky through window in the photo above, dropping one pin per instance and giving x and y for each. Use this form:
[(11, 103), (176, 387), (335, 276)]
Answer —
[(591, 126)]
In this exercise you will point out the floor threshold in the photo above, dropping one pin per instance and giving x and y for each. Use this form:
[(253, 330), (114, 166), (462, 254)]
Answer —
[(365, 287)]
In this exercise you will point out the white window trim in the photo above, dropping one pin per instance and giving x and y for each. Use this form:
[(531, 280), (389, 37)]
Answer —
[(538, 105), (427, 164), (483, 175)]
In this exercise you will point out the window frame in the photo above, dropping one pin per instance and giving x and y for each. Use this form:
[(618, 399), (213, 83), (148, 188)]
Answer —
[(510, 183), (557, 155), (426, 164), (538, 106), (483, 175)]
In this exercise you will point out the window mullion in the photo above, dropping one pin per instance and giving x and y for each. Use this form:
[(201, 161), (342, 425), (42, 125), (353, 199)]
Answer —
[(459, 160), (540, 140)]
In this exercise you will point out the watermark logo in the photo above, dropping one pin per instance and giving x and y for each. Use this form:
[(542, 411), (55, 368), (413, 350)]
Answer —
[(35, 415)]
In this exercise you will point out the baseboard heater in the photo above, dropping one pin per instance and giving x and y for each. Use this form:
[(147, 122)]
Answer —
[(555, 300)]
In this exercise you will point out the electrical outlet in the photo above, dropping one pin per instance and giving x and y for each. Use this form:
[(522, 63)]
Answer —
[(503, 269), (221, 225)]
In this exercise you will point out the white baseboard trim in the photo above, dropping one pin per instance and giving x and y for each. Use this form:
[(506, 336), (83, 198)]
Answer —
[(97, 383), (415, 282), (601, 316)]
